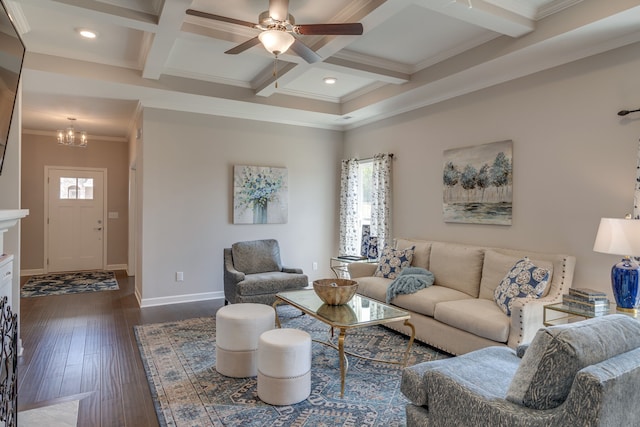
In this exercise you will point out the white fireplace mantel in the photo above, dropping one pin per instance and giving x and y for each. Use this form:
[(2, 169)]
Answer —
[(9, 218)]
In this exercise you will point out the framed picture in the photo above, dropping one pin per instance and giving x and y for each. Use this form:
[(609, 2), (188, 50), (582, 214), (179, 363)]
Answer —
[(478, 184), (260, 195)]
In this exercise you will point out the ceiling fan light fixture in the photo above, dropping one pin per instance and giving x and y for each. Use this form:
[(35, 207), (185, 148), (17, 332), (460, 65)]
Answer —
[(276, 42)]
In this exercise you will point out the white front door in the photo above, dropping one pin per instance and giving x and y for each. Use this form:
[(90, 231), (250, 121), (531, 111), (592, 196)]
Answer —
[(75, 219)]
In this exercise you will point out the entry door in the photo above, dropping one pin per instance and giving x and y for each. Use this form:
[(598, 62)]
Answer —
[(75, 226)]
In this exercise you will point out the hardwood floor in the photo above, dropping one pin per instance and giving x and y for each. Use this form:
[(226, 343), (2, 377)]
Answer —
[(83, 346)]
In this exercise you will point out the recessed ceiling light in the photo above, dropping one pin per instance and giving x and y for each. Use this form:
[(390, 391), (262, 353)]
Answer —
[(87, 34), (330, 80)]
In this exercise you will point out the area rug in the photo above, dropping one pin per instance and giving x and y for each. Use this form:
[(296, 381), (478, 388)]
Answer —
[(179, 360), (69, 283)]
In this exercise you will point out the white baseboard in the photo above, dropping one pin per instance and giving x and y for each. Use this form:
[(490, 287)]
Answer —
[(113, 267), (32, 272), (138, 297), (177, 299)]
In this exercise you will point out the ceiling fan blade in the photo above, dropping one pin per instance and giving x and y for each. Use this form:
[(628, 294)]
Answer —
[(243, 46), (305, 52), (279, 9), (207, 15), (346, 29)]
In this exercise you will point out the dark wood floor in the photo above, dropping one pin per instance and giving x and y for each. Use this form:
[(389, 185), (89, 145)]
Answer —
[(83, 346)]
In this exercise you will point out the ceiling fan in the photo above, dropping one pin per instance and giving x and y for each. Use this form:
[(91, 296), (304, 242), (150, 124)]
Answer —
[(277, 27)]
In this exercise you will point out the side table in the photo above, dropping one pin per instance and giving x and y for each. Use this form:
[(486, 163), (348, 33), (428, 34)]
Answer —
[(339, 265), (559, 314)]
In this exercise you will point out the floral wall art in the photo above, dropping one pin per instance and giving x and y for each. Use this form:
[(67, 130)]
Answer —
[(260, 195), (478, 184)]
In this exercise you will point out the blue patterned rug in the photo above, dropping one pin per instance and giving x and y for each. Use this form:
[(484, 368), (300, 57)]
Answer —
[(69, 283), (179, 360)]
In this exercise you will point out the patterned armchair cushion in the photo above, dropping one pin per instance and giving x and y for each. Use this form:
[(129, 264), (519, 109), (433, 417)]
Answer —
[(392, 261), (556, 354), (256, 256), (524, 280)]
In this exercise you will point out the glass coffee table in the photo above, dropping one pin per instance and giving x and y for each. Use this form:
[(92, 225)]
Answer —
[(359, 312)]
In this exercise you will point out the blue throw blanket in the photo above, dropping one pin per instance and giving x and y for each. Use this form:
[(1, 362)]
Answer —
[(410, 280)]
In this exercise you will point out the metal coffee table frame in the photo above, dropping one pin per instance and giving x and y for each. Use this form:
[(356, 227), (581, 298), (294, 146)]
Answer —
[(345, 317)]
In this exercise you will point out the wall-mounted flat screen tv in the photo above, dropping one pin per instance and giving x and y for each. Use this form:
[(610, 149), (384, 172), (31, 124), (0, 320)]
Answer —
[(11, 56)]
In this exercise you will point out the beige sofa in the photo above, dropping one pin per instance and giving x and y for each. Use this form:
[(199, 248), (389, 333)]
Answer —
[(458, 314)]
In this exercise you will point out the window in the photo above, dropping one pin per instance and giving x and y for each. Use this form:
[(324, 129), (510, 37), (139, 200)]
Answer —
[(76, 188)]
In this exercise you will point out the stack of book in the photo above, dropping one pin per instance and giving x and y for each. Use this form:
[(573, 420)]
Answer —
[(589, 300)]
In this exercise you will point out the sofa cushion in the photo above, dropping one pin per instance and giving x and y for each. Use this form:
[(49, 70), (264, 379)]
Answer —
[(556, 354), (409, 281), (488, 369), (457, 266), (497, 264), (524, 280), (373, 287), (425, 300), (392, 261), (270, 282), (256, 256), (421, 251), (480, 317)]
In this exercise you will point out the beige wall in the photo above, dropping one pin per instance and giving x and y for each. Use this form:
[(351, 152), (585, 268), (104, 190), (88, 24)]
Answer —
[(574, 158), (39, 151), (185, 180)]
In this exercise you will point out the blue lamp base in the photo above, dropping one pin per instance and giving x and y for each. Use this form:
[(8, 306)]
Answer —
[(626, 288)]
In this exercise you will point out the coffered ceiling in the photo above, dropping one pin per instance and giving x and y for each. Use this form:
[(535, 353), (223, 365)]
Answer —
[(412, 53)]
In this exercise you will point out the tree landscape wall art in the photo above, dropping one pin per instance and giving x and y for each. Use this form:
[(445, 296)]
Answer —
[(478, 184), (260, 195)]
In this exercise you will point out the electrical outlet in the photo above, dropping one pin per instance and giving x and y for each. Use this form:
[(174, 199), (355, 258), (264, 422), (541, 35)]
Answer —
[(179, 276), (315, 265)]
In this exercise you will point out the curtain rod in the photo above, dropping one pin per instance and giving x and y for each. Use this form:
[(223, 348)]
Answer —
[(371, 158)]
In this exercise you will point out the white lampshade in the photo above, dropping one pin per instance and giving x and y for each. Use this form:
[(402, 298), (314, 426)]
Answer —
[(276, 41), (618, 236)]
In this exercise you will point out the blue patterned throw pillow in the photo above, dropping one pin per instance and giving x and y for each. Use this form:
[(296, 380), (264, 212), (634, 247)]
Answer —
[(524, 280), (392, 261)]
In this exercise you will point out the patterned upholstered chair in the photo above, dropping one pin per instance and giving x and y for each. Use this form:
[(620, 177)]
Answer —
[(580, 374), (253, 272)]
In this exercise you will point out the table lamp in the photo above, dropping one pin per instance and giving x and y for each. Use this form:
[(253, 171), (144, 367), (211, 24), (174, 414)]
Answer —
[(622, 237)]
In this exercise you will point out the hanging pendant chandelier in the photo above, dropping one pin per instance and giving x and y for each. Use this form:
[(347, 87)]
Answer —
[(70, 137)]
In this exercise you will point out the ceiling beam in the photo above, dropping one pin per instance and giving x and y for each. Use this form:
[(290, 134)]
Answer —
[(169, 27)]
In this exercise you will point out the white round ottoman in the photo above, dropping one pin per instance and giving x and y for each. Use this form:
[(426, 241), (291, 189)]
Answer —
[(284, 366), (238, 328)]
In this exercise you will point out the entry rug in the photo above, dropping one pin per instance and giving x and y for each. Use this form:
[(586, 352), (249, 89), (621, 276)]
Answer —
[(179, 360), (69, 283)]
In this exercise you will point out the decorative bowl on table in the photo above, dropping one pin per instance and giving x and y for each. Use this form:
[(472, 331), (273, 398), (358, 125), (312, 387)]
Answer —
[(335, 291)]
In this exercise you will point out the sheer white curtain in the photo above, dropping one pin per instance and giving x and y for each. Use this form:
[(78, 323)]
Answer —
[(349, 233), (381, 200)]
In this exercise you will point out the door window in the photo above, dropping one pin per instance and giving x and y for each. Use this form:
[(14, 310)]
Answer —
[(76, 188)]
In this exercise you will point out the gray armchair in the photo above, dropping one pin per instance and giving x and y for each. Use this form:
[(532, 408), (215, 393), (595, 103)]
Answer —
[(581, 374), (253, 272)]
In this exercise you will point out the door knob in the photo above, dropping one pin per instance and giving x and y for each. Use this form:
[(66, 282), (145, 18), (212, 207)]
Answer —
[(98, 229)]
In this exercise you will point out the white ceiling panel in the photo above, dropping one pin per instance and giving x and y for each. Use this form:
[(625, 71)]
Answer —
[(416, 34), (312, 85)]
